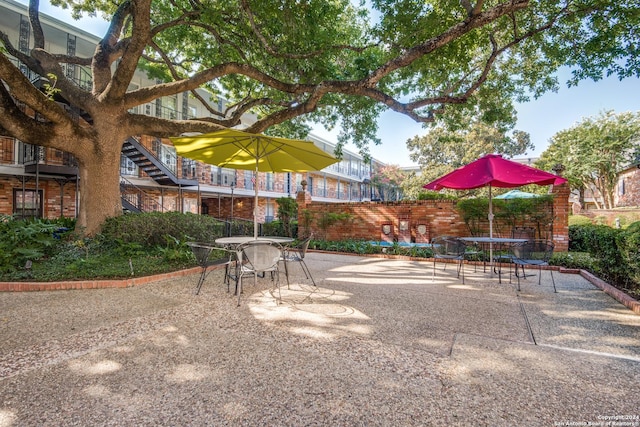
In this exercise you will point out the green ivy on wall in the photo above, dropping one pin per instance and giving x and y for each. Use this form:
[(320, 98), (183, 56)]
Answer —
[(534, 212)]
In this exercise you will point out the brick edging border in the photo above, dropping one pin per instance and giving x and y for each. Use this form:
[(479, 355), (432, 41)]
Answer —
[(615, 293), (92, 284)]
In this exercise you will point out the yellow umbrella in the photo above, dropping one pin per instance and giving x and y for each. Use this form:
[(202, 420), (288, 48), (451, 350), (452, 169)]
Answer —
[(242, 150)]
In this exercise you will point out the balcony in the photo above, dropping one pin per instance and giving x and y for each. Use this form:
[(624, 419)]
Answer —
[(48, 161)]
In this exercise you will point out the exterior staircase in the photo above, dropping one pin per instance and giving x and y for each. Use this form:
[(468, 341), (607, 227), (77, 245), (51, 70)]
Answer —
[(151, 165)]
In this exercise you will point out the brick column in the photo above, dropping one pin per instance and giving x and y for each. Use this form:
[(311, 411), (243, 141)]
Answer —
[(303, 198), (561, 210)]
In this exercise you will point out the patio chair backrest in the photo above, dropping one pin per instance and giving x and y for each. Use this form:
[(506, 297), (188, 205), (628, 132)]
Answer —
[(448, 246), (261, 255), (535, 250)]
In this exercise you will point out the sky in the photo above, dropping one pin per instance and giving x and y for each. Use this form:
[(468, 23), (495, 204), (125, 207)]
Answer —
[(541, 118)]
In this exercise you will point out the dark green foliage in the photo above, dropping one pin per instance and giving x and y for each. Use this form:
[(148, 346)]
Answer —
[(28, 240), (629, 244), (151, 229), (579, 220), (615, 252), (277, 228), (131, 245), (581, 260), (507, 214), (287, 211), (433, 195), (363, 247)]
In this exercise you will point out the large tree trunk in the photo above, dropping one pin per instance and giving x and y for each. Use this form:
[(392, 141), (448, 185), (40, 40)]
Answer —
[(99, 190)]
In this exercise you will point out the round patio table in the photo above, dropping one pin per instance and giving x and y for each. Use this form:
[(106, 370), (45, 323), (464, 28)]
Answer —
[(483, 240), (234, 243)]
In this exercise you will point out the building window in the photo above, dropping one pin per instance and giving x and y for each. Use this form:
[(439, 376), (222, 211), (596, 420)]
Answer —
[(269, 181), (270, 211), (190, 205), (27, 203), (127, 167), (249, 180), (287, 183), (621, 187), (188, 168)]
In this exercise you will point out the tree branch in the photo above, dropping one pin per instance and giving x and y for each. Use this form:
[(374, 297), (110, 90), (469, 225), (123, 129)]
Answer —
[(25, 92), (34, 18), (109, 49)]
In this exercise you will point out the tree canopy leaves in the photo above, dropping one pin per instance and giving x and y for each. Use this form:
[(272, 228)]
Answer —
[(594, 151), (442, 150), (293, 62)]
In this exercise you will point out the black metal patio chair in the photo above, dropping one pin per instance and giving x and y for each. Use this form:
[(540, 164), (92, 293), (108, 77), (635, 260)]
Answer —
[(448, 248), (259, 256), (296, 254), (202, 251), (533, 253)]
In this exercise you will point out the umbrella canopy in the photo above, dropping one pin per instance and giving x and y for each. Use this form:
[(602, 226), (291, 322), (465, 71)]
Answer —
[(517, 194), (242, 150), (494, 171)]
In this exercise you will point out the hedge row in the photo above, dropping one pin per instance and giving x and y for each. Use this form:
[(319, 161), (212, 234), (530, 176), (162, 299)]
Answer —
[(615, 252)]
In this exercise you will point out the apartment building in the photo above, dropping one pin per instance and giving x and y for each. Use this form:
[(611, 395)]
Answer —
[(37, 181)]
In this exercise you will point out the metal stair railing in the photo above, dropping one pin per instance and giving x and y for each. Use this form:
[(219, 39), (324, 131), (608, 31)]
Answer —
[(134, 197), (149, 162)]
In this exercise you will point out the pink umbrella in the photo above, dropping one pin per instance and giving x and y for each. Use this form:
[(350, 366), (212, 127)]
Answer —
[(494, 171)]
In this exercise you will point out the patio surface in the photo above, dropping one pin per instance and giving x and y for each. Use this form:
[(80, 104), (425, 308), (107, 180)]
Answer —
[(377, 343)]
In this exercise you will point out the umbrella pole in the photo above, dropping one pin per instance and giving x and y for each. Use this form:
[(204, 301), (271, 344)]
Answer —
[(491, 265), (255, 205)]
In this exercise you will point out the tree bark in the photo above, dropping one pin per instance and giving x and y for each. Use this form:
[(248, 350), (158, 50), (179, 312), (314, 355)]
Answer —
[(99, 190)]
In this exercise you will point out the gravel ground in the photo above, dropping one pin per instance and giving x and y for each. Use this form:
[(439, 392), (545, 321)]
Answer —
[(377, 343)]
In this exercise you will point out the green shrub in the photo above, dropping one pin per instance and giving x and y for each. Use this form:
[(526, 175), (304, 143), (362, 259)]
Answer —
[(579, 220), (607, 246), (582, 260), (23, 240), (150, 229), (433, 195), (507, 214), (364, 247), (629, 245), (277, 228)]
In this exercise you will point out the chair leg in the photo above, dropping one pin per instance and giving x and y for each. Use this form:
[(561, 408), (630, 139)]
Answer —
[(554, 282), (307, 272), (286, 271), (278, 286), (226, 277), (203, 274), (539, 275)]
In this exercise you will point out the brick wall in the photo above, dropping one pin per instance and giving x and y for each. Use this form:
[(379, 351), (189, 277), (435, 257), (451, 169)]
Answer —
[(365, 219), (52, 208), (630, 197)]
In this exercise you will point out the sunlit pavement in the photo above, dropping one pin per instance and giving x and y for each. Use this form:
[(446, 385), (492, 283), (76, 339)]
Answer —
[(377, 342)]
